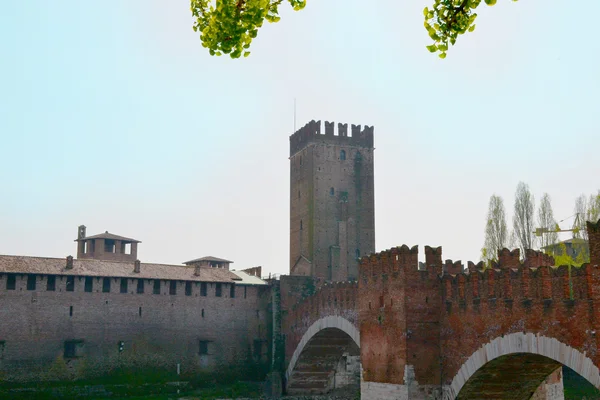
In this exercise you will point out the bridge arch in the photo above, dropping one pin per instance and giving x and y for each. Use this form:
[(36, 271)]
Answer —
[(323, 327), (533, 348)]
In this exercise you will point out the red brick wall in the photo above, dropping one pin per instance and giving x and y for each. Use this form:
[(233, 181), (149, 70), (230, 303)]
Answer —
[(435, 321), (593, 230), (300, 312)]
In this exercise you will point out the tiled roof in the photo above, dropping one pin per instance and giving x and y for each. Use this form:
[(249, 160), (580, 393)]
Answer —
[(248, 279), (107, 235), (85, 267), (209, 258)]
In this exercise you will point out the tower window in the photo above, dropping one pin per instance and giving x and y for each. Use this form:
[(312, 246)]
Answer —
[(300, 224), (218, 289), (342, 155), (357, 254), (332, 191), (156, 288)]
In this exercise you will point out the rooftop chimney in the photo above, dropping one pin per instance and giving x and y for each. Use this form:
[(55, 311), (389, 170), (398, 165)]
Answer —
[(81, 232), (136, 266), (69, 262)]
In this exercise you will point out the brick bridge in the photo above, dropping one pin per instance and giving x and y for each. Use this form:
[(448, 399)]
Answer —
[(442, 332)]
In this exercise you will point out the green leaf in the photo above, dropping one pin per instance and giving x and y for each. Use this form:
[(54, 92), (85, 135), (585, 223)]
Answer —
[(442, 55), (432, 48), (472, 28)]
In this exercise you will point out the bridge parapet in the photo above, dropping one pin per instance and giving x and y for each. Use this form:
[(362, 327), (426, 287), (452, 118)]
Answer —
[(522, 283), (325, 299)]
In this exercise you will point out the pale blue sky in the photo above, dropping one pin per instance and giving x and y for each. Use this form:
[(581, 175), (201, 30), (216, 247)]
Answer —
[(114, 116)]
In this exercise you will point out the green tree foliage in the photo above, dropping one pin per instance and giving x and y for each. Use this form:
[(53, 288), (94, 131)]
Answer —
[(523, 224), (546, 220), (448, 19), (496, 232), (228, 26)]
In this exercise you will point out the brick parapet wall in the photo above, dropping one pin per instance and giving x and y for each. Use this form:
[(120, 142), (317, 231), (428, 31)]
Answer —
[(433, 319), (328, 299)]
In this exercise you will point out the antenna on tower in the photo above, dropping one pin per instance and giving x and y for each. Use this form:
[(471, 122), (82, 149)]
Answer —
[(294, 114)]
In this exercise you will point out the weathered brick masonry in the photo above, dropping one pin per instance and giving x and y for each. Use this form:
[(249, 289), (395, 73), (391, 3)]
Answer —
[(441, 331), (332, 218), (70, 332)]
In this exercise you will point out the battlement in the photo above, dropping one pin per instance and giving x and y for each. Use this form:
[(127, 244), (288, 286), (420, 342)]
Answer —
[(333, 296), (523, 284), (403, 257), (311, 133)]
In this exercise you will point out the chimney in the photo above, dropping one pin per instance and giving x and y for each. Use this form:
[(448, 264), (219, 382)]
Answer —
[(197, 269), (69, 262), (593, 230), (136, 266), (81, 232)]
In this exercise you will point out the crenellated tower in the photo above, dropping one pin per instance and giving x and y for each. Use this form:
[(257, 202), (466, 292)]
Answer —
[(332, 213)]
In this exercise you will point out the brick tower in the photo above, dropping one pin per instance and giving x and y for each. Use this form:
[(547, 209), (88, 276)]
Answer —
[(332, 213)]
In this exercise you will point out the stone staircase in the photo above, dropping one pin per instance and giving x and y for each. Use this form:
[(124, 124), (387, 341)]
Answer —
[(315, 369)]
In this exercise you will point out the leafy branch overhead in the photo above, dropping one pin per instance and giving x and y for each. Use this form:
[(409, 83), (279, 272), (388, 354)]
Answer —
[(228, 26)]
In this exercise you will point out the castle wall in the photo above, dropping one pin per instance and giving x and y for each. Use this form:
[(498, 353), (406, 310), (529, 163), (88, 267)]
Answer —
[(159, 331)]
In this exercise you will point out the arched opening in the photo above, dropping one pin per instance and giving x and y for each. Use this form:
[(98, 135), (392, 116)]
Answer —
[(342, 155), (329, 360), (524, 366), (514, 376)]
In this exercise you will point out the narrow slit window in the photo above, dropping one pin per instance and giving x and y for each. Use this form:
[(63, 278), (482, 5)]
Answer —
[(173, 288), (156, 288), (342, 155), (203, 289), (188, 288), (203, 348), (219, 289), (232, 291)]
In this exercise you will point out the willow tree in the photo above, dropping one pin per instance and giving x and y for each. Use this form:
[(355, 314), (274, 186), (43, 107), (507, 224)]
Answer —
[(228, 26)]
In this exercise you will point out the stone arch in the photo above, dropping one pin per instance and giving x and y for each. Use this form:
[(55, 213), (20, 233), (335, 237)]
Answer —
[(528, 343), (332, 321)]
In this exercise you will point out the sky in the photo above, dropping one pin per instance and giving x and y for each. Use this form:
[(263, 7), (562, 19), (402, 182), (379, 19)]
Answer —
[(112, 115)]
